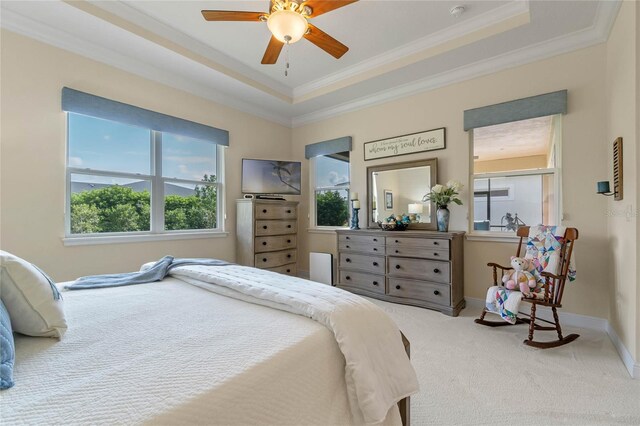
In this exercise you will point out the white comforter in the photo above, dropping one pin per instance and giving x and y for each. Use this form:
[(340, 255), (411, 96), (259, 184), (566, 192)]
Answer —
[(169, 353), (378, 373)]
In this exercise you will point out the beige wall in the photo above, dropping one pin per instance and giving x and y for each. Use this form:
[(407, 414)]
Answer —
[(582, 73), (32, 164), (621, 80)]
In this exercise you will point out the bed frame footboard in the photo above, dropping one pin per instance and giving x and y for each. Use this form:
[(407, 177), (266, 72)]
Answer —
[(404, 404)]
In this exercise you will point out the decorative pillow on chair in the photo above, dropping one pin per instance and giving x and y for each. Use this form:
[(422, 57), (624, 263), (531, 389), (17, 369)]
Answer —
[(7, 349), (31, 298)]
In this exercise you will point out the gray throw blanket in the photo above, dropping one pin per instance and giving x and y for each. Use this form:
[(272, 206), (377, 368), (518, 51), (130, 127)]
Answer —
[(156, 272)]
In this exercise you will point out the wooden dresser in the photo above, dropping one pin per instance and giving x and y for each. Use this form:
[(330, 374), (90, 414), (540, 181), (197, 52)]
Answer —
[(267, 234), (421, 268)]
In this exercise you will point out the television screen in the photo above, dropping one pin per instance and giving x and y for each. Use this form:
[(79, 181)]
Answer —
[(270, 177)]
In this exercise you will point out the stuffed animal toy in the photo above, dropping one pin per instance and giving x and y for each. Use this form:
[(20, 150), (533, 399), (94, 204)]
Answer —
[(520, 277)]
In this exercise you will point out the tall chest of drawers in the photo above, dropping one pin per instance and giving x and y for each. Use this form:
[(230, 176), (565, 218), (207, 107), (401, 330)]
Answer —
[(420, 268), (267, 235)]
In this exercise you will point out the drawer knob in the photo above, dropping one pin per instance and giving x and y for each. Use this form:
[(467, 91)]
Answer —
[(436, 292), (435, 243), (397, 266), (375, 263), (288, 226), (348, 246), (264, 243), (436, 254), (288, 270), (348, 260), (264, 259), (397, 241), (397, 251), (264, 227), (436, 270), (375, 283), (348, 238), (288, 211), (264, 210), (375, 249), (347, 277), (289, 256), (375, 239), (397, 287), (288, 241)]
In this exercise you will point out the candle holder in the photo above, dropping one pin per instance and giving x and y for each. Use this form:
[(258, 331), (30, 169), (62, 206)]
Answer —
[(354, 218)]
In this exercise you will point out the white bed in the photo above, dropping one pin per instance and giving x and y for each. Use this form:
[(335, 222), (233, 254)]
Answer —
[(173, 353)]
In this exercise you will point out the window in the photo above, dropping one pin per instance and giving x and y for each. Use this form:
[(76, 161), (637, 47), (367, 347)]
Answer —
[(516, 174), (330, 183), (127, 179)]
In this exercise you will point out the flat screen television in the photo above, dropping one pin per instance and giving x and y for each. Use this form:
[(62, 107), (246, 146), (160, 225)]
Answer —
[(271, 177)]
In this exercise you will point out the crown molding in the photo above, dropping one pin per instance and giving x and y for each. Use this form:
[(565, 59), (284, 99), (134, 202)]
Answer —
[(497, 16), (141, 19), (28, 27), (595, 34)]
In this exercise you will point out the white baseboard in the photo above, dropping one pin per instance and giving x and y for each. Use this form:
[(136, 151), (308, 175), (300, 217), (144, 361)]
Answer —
[(582, 321)]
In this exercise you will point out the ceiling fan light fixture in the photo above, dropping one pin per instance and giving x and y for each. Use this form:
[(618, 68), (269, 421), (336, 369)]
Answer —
[(285, 24)]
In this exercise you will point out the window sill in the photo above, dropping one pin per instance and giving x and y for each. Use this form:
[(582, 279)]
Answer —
[(122, 239), (492, 237), (326, 230)]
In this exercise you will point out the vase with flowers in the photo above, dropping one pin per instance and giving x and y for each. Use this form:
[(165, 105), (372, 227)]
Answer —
[(442, 195)]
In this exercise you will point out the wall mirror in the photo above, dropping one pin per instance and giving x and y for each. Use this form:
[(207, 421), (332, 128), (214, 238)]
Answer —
[(398, 188)]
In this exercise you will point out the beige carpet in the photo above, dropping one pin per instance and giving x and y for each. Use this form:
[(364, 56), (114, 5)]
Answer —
[(470, 374)]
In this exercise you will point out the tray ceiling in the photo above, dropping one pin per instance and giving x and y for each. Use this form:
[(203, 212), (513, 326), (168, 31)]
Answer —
[(396, 47)]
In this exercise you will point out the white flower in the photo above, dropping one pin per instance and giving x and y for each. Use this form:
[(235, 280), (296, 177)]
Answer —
[(437, 189), (455, 185)]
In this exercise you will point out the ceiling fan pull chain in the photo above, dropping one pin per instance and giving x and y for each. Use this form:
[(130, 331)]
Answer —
[(286, 58)]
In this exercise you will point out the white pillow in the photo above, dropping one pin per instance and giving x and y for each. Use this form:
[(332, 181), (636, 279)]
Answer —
[(35, 308)]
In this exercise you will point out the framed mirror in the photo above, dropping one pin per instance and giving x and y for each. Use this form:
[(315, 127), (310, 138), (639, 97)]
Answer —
[(395, 189)]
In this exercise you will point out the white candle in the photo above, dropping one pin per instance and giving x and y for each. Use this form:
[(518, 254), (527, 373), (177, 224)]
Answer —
[(354, 196), (356, 204)]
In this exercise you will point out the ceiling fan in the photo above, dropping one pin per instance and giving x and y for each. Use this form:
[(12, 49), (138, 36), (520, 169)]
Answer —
[(288, 21)]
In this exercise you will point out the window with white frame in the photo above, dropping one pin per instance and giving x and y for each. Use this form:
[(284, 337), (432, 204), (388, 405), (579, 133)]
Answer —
[(124, 179), (330, 186), (516, 174)]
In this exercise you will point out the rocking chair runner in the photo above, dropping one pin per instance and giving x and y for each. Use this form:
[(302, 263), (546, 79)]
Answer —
[(553, 288)]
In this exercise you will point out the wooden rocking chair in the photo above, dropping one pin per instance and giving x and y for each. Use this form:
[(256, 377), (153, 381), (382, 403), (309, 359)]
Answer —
[(553, 289)]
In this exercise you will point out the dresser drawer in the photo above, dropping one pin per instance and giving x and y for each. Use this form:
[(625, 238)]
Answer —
[(275, 258), (361, 239), (418, 243), (275, 242), (289, 269), (360, 247), (411, 289), (363, 262), (271, 211), (276, 227), (363, 281), (427, 253), (422, 269)]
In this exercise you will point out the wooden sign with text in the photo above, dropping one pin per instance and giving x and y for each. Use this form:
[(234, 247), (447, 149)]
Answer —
[(429, 140)]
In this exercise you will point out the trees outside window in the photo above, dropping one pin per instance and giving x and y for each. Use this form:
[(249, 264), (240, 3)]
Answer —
[(115, 171)]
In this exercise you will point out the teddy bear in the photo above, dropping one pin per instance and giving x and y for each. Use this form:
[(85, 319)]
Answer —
[(520, 277)]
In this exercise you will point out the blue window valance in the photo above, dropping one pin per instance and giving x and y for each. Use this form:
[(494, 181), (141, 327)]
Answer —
[(521, 109), (84, 103), (329, 147)]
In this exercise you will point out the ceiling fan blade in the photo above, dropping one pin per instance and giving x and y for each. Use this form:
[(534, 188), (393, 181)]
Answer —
[(273, 51), (231, 15), (320, 7), (325, 42)]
